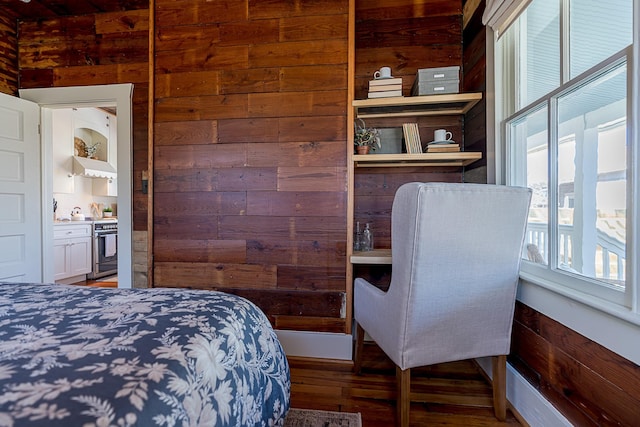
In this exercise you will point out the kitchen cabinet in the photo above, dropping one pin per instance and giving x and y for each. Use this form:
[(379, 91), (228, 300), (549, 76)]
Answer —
[(72, 251), (105, 187)]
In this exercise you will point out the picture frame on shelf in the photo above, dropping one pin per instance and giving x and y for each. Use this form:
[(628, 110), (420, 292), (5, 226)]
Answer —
[(390, 141)]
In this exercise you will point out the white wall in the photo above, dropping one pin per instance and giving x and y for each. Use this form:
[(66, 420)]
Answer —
[(83, 198)]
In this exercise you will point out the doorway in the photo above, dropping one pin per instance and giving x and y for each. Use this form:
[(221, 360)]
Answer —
[(118, 96)]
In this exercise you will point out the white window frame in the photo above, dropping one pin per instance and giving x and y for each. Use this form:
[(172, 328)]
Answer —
[(612, 324), (551, 272)]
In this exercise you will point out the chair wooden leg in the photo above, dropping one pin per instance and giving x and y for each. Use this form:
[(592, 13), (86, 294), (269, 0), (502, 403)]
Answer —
[(403, 400), (357, 362), (499, 368)]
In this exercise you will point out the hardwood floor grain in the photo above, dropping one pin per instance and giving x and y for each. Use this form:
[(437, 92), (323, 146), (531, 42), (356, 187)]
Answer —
[(104, 283), (450, 394)]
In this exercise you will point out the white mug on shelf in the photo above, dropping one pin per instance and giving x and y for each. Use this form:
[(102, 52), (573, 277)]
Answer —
[(382, 73), (442, 135)]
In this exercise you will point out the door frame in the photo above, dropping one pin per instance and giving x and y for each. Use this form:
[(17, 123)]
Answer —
[(121, 96)]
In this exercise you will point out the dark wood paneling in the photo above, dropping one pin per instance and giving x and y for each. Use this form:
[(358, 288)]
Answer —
[(35, 9), (198, 12), (186, 133), (420, 31), (589, 384), (329, 77), (216, 275), (8, 54), (310, 277), (474, 80), (312, 153), (251, 123), (313, 324), (264, 9), (395, 9)]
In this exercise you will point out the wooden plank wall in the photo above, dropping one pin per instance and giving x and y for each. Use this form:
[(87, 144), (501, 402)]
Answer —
[(474, 66), (406, 36), (8, 54), (250, 160), (94, 49), (589, 384)]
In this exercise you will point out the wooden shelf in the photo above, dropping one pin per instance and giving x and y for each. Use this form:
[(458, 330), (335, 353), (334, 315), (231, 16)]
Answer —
[(462, 158), (409, 106), (376, 256)]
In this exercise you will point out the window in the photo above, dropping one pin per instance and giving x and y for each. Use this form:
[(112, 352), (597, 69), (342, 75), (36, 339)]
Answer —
[(566, 125)]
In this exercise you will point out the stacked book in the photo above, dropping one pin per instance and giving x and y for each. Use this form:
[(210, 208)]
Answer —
[(412, 138), (385, 88), (448, 147)]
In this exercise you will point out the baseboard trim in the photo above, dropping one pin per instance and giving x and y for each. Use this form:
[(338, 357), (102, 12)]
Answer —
[(318, 345), (530, 405)]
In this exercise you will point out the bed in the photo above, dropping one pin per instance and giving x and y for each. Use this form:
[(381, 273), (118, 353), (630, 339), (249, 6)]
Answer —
[(80, 356)]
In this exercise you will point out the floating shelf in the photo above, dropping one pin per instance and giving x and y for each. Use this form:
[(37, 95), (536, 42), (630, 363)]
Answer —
[(376, 256), (459, 159), (409, 106)]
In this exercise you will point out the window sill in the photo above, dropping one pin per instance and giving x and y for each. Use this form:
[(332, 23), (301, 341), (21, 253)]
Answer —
[(615, 327)]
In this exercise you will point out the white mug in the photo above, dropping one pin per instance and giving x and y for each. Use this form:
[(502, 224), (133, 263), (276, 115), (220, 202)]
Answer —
[(383, 73), (442, 135)]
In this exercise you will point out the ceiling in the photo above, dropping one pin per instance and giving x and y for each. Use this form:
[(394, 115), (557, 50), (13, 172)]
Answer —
[(35, 9)]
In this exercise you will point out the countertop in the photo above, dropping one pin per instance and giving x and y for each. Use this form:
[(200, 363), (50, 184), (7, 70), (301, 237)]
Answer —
[(86, 221)]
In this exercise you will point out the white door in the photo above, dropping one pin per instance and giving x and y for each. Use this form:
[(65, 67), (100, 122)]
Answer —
[(20, 195)]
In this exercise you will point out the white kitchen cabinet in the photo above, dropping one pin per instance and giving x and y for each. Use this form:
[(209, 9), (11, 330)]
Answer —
[(72, 251), (105, 187), (62, 131)]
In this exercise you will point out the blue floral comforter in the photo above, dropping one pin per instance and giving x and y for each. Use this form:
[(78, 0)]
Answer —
[(78, 356)]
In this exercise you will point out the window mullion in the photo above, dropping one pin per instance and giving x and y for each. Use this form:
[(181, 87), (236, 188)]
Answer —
[(632, 292), (565, 41), (553, 183)]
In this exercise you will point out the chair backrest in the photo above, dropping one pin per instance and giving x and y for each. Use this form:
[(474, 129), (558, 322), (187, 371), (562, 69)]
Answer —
[(456, 252)]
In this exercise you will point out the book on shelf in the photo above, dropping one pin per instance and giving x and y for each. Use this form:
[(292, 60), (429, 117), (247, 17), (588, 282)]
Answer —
[(384, 88), (386, 94), (443, 148), (385, 82), (412, 138)]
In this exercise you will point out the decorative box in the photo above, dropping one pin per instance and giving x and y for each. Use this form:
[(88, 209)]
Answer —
[(433, 81)]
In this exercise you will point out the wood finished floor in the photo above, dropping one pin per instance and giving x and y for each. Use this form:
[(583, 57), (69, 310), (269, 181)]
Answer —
[(451, 394), (106, 283)]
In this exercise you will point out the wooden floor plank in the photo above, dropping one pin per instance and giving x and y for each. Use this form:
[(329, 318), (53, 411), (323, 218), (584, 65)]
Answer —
[(449, 394)]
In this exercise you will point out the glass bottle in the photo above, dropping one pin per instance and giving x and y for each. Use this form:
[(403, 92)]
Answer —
[(367, 238), (357, 238)]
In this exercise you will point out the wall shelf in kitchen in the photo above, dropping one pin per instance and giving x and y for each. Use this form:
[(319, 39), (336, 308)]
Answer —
[(92, 168)]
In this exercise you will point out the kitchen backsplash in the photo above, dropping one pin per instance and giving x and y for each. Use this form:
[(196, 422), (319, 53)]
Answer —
[(82, 198)]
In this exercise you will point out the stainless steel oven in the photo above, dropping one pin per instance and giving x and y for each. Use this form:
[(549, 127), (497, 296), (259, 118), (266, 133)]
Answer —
[(105, 248)]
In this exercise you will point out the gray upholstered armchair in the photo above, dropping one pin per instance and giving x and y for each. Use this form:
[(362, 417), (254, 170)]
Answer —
[(456, 251)]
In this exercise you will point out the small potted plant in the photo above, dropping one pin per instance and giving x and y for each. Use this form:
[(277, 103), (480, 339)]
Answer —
[(365, 138), (107, 212)]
